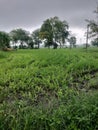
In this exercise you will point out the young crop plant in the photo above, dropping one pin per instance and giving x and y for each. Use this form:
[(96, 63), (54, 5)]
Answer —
[(48, 89)]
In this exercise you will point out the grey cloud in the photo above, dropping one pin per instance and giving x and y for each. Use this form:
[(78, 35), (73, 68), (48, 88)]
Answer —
[(31, 13)]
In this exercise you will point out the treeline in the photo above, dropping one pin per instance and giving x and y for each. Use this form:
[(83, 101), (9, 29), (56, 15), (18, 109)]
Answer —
[(53, 32)]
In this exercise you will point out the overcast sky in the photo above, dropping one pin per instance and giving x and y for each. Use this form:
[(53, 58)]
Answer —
[(30, 14)]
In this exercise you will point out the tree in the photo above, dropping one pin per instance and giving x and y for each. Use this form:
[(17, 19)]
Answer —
[(4, 40), (19, 35), (13, 37), (30, 42), (72, 41), (36, 38), (95, 42), (60, 30), (54, 30), (46, 32), (93, 25)]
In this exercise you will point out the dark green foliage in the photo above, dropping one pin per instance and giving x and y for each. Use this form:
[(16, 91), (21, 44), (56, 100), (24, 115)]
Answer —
[(72, 41), (54, 30), (35, 37), (95, 42), (93, 28), (4, 40), (46, 32), (20, 35), (55, 45)]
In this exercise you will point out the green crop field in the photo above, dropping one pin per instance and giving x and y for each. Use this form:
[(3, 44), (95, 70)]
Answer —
[(46, 89)]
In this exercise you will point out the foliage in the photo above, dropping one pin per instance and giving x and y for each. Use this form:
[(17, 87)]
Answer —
[(19, 35), (93, 26), (72, 41), (4, 40), (95, 42), (54, 30), (46, 32), (49, 89), (30, 42), (35, 37), (60, 29)]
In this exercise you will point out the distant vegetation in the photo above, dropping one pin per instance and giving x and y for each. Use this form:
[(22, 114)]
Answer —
[(53, 31), (93, 29), (49, 89)]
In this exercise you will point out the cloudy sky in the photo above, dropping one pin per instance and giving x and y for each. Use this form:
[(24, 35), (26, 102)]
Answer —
[(30, 14)]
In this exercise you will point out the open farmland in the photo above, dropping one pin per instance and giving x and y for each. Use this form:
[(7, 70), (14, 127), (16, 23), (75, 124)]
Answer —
[(49, 89)]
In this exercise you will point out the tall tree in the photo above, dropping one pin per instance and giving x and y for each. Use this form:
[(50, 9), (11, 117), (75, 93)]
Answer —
[(19, 35), (60, 30), (93, 26), (72, 41), (46, 32), (36, 38), (30, 42), (54, 30), (13, 37), (95, 42), (4, 40)]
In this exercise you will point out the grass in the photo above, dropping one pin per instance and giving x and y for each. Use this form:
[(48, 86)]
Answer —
[(49, 89)]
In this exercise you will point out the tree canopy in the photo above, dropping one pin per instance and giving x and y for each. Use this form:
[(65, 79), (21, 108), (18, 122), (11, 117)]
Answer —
[(4, 40), (36, 38), (54, 30), (72, 41), (93, 25), (19, 35)]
